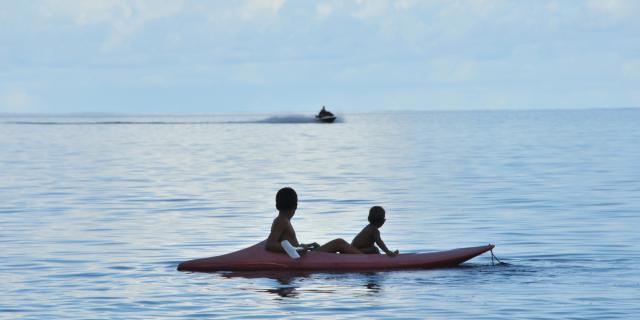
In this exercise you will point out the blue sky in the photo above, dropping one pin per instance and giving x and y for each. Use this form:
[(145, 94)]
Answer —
[(277, 56)]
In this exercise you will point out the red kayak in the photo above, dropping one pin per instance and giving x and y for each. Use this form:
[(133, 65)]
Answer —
[(257, 258)]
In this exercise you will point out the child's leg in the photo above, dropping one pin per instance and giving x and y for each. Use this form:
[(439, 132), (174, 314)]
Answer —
[(338, 245), (370, 250)]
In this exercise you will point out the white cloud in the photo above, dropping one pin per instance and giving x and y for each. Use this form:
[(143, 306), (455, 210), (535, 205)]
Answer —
[(253, 9), (84, 13), (616, 9), (370, 8), (406, 4), (323, 10), (17, 100), (503, 47), (124, 17)]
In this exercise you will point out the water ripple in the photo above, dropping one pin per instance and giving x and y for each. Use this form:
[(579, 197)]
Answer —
[(97, 212)]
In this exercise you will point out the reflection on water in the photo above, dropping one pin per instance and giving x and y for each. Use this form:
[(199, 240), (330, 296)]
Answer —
[(284, 292), (284, 282), (373, 282), (290, 284)]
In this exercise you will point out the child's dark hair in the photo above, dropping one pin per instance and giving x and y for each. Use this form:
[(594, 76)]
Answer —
[(376, 214), (286, 199)]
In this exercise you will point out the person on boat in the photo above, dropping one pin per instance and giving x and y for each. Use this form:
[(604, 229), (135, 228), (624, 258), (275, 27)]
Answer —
[(281, 229), (324, 113), (366, 240)]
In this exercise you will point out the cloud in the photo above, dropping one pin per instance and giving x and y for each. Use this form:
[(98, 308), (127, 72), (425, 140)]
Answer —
[(323, 10), (237, 14), (84, 13), (123, 17), (370, 8), (253, 9), (17, 100), (353, 49), (616, 9), (406, 4)]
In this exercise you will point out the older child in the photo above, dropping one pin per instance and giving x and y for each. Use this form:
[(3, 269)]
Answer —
[(281, 229)]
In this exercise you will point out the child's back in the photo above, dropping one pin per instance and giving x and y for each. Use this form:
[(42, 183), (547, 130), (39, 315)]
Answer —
[(365, 240), (369, 237)]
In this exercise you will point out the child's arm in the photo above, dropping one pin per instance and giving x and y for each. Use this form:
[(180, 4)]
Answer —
[(380, 243), (310, 246)]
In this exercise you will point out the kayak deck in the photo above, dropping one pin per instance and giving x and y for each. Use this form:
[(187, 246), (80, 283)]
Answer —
[(257, 258)]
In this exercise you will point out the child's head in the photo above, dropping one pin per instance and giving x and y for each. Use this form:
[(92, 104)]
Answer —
[(286, 199), (376, 215)]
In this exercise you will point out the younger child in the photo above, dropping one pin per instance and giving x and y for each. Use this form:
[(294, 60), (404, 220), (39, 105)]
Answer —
[(370, 235)]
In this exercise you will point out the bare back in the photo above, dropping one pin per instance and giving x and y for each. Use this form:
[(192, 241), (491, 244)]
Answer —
[(366, 238), (281, 229)]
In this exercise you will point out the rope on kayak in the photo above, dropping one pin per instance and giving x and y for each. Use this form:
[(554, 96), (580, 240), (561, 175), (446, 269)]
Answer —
[(500, 263)]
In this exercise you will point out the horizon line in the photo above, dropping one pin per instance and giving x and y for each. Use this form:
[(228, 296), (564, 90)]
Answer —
[(126, 113)]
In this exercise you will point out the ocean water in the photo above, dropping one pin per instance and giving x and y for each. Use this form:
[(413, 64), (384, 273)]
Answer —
[(96, 211)]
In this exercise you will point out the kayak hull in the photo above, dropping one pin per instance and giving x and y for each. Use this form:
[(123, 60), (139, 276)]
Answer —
[(257, 258)]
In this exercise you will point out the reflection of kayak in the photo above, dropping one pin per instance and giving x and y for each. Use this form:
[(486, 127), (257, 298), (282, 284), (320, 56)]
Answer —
[(257, 258), (326, 118)]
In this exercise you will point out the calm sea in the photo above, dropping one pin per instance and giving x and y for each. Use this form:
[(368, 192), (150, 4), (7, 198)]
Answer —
[(96, 211)]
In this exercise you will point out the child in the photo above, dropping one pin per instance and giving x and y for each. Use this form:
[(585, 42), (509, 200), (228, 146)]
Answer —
[(370, 235), (281, 229)]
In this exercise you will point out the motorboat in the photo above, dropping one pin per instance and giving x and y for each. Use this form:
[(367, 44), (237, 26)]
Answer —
[(325, 116)]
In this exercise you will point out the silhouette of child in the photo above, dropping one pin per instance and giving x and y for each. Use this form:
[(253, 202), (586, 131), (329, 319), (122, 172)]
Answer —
[(366, 240), (281, 229)]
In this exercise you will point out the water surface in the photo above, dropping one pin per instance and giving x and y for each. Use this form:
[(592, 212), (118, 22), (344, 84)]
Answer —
[(97, 211)]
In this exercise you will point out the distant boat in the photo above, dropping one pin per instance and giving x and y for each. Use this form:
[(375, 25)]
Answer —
[(325, 116)]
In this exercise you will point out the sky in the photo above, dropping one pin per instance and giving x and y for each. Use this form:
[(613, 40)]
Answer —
[(264, 56)]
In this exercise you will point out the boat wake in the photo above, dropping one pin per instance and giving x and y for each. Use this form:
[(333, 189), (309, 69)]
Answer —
[(290, 119), (277, 119)]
